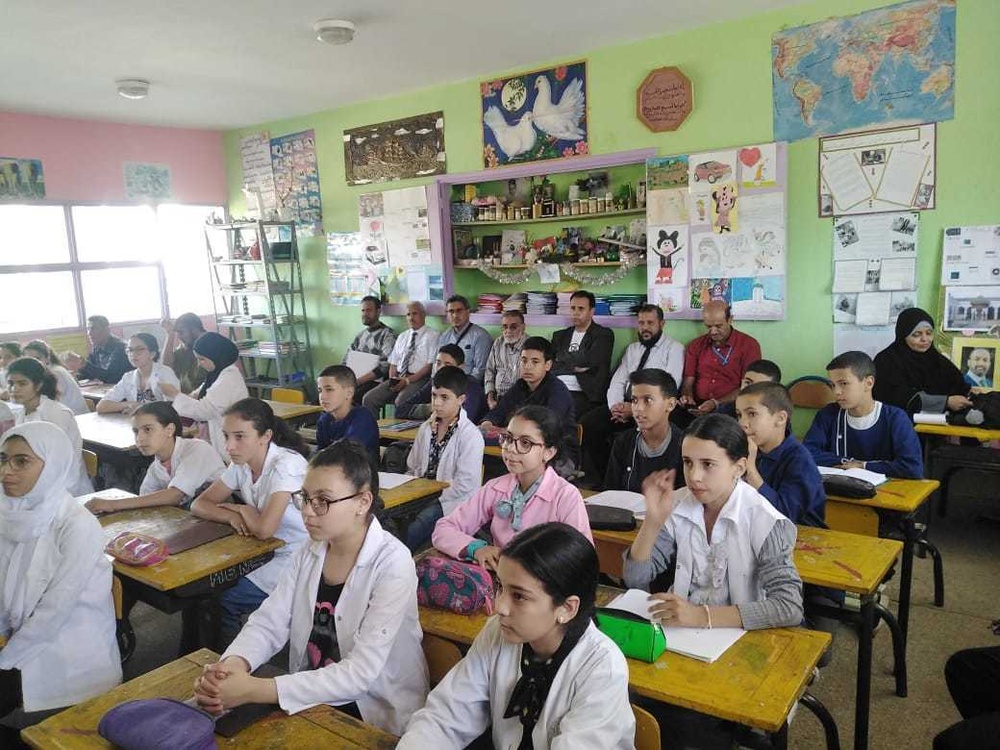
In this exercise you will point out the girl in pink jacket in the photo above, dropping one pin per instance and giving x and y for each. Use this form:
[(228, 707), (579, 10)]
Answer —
[(531, 494)]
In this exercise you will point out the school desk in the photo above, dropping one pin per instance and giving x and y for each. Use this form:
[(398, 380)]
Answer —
[(319, 726), (110, 437), (95, 390), (389, 436), (295, 414), (981, 434), (755, 683), (832, 559)]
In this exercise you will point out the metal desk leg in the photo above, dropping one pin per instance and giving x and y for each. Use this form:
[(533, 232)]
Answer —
[(779, 739), (821, 712), (863, 686), (898, 648), (906, 577)]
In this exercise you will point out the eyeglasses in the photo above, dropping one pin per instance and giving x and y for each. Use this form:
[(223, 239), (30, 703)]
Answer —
[(319, 505), (517, 444), (17, 462)]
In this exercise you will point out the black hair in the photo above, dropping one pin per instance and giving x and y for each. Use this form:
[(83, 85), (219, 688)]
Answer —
[(164, 413), (547, 421), (656, 377), (767, 368), (49, 357), (151, 343), (565, 562), (13, 347), (722, 430), (859, 363), (36, 372), (355, 463), (452, 378), (343, 374), (373, 299), (772, 395), (539, 344), (454, 351), (99, 320), (584, 294), (460, 299), (647, 308), (189, 320), (260, 414)]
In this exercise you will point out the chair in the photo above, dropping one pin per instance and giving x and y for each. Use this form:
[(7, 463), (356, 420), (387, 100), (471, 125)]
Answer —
[(123, 628), (288, 395), (811, 392), (441, 656), (647, 729), (90, 463)]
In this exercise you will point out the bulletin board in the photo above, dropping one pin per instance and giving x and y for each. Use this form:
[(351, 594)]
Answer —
[(716, 229)]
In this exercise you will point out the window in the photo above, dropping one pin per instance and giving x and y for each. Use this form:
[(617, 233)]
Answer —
[(60, 264)]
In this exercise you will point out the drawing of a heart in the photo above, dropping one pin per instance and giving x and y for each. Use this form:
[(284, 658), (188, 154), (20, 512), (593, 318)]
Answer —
[(749, 156)]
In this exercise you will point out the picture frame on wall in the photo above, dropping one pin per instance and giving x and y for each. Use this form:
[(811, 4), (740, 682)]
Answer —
[(535, 116), (977, 359), (395, 150)]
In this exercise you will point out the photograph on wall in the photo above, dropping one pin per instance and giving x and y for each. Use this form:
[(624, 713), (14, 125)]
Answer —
[(395, 150), (972, 308), (977, 359), (21, 178), (535, 116), (150, 182), (971, 255), (296, 180)]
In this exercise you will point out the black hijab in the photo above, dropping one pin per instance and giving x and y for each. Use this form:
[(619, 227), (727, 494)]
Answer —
[(902, 374), (220, 350)]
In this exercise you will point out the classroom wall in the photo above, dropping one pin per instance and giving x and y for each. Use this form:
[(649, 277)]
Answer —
[(83, 160), (729, 65)]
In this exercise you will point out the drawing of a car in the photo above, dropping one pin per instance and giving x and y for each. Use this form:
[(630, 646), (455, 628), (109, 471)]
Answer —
[(712, 171)]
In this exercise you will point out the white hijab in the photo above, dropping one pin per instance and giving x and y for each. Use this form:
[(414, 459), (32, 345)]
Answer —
[(25, 521)]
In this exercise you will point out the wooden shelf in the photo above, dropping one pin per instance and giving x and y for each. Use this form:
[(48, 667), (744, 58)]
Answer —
[(568, 219), (606, 264)]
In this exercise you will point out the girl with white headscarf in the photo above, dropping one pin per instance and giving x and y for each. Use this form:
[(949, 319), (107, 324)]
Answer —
[(56, 611)]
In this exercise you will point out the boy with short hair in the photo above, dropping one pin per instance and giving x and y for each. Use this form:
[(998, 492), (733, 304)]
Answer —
[(537, 385), (419, 405), (656, 444), (859, 432), (449, 448), (758, 371), (340, 418), (779, 466)]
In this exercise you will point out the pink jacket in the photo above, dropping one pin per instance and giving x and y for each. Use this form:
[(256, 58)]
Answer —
[(554, 500)]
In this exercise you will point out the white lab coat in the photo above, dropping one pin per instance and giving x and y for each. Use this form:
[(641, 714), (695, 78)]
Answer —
[(70, 394), (127, 389), (193, 464), (587, 707), (228, 388), (382, 667), (283, 471), (59, 415), (461, 463)]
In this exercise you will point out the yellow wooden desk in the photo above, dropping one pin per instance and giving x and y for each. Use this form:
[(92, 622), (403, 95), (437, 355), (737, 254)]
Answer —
[(389, 436), (406, 498), (755, 683), (953, 430), (112, 431), (320, 726), (293, 413)]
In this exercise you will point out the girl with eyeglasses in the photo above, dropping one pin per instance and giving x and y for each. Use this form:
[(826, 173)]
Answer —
[(532, 493), (56, 612), (144, 383), (540, 674), (268, 464), (67, 389), (347, 608)]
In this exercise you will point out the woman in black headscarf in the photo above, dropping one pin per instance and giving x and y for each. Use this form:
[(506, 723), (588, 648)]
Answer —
[(912, 374)]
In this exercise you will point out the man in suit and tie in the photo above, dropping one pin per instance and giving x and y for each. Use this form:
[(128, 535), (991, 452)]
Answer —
[(583, 355), (409, 363)]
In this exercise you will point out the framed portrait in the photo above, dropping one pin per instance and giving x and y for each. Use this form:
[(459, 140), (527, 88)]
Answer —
[(977, 359)]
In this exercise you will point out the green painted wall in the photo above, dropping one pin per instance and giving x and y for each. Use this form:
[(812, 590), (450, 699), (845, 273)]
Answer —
[(729, 65)]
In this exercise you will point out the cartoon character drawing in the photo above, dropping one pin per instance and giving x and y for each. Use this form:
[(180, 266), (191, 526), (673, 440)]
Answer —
[(725, 203), (667, 246)]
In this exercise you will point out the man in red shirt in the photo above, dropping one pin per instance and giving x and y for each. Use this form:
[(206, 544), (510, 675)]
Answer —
[(714, 363)]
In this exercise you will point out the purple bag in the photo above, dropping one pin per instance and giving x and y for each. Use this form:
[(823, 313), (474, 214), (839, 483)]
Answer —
[(158, 724), (457, 586)]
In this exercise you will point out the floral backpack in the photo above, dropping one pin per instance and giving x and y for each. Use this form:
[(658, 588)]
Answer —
[(449, 584)]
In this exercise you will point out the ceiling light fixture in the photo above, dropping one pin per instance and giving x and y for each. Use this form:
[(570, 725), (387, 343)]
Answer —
[(132, 88), (334, 31)]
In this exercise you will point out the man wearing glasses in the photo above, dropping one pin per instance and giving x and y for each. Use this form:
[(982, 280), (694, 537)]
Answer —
[(503, 364), (473, 340)]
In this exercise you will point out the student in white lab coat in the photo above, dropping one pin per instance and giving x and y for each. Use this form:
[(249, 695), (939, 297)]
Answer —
[(540, 672), (68, 391), (34, 387), (268, 465), (181, 467), (56, 610), (223, 387), (347, 608), (144, 383)]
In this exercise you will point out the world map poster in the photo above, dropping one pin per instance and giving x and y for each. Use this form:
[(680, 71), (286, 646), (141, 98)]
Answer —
[(893, 65)]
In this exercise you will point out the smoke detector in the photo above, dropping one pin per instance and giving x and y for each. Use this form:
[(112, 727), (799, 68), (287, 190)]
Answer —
[(334, 31), (132, 88)]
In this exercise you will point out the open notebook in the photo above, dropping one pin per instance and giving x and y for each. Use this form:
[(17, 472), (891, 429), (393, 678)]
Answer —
[(698, 643), (868, 476)]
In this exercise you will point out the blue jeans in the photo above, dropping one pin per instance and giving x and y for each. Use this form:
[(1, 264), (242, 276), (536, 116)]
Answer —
[(420, 529), (241, 599)]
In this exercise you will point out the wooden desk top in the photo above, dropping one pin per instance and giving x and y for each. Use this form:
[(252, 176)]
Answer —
[(954, 430), (108, 430), (95, 390), (415, 489), (411, 435), (319, 726), (185, 567), (756, 682), (284, 410), (897, 495)]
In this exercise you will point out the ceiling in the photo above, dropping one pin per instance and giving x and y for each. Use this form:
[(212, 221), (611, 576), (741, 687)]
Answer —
[(232, 63)]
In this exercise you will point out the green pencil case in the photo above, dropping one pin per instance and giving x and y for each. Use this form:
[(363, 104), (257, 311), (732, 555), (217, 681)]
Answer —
[(637, 637)]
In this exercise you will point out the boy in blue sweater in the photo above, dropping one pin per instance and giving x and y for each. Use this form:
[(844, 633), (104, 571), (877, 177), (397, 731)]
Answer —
[(779, 466), (340, 418), (860, 432)]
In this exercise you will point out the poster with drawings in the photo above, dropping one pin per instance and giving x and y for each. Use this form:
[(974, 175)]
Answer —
[(722, 235)]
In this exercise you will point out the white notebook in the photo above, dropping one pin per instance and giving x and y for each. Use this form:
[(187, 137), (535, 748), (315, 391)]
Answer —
[(698, 643), (387, 480), (868, 476), (633, 501)]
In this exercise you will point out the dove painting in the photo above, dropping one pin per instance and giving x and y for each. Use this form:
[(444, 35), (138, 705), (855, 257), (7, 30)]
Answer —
[(535, 116)]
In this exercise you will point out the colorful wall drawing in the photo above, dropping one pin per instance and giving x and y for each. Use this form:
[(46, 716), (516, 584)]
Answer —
[(147, 181), (21, 178), (296, 180), (395, 150)]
